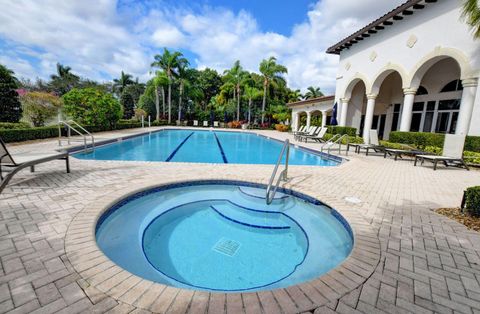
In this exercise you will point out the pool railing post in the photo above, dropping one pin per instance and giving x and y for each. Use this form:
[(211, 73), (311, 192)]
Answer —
[(143, 121), (149, 122)]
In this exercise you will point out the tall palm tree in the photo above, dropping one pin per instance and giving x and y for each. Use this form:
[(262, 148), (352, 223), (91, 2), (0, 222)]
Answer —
[(161, 80), (271, 71), (295, 95), (169, 61), (182, 79), (64, 80), (122, 82), (313, 92), (251, 93), (471, 13), (237, 76)]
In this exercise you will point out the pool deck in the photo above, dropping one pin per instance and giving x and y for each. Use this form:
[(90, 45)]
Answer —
[(406, 257)]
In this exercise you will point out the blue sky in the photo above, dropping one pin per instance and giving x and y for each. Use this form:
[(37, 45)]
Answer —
[(100, 38)]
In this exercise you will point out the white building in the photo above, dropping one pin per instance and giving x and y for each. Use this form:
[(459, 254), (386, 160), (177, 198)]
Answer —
[(414, 69)]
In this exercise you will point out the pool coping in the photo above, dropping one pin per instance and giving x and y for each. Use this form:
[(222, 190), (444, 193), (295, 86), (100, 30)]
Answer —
[(78, 148), (103, 275)]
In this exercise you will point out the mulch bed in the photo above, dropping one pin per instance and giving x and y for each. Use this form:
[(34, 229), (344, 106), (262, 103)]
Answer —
[(456, 214)]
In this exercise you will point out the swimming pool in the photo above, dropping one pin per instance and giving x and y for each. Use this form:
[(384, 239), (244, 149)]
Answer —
[(221, 236), (204, 146)]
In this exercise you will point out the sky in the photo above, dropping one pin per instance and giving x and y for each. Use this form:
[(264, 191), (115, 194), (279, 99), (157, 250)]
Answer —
[(100, 38)]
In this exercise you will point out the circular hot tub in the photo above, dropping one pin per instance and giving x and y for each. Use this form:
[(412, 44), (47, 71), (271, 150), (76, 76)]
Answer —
[(222, 236)]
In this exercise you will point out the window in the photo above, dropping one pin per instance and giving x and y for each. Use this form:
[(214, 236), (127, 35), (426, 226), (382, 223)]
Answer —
[(427, 124), (450, 104), (421, 91), (447, 115), (453, 86), (417, 116), (396, 116)]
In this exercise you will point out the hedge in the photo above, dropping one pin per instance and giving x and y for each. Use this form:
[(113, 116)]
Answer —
[(423, 139), (19, 135), (472, 201), (335, 129), (16, 125), (26, 134)]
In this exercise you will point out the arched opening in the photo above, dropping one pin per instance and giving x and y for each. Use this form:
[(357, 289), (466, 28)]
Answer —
[(387, 112), (438, 110), (316, 118), (357, 106), (302, 119)]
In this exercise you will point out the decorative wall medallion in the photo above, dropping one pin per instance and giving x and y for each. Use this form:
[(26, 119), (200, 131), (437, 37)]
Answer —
[(412, 40), (373, 56), (347, 66)]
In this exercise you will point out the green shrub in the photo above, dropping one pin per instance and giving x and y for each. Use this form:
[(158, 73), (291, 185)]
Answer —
[(10, 107), (91, 106), (19, 135), (472, 143), (17, 125), (471, 157), (395, 145), (418, 139), (335, 129), (349, 139), (472, 201)]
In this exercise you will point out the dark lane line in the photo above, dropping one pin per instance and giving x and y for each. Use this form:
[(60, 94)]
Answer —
[(178, 147), (225, 161)]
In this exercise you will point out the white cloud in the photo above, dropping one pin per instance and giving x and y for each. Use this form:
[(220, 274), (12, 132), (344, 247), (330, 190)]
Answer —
[(95, 37)]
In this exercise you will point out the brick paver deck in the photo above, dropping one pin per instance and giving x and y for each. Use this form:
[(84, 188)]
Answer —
[(428, 263)]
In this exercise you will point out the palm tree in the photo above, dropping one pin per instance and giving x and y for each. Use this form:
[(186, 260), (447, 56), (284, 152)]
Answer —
[(161, 80), (169, 61), (64, 80), (313, 92), (471, 13), (124, 80), (295, 95), (251, 93), (182, 80), (271, 71), (237, 76)]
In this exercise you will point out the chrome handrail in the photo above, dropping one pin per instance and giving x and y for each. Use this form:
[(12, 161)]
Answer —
[(69, 133), (283, 175), (336, 139)]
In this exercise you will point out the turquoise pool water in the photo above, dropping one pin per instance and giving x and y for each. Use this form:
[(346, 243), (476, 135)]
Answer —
[(223, 237), (205, 146)]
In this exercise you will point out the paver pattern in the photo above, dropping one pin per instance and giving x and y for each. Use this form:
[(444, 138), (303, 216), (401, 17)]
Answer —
[(428, 264)]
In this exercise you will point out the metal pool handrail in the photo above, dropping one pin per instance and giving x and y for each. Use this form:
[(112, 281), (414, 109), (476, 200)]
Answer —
[(69, 126), (283, 175)]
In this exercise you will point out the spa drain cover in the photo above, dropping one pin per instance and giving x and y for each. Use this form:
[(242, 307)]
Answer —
[(226, 246)]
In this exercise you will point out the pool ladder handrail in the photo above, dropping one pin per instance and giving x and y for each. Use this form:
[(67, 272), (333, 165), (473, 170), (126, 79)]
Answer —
[(283, 175), (336, 139), (69, 126)]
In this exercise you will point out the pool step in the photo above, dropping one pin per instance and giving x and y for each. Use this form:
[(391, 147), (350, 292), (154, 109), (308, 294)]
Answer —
[(257, 194), (250, 217)]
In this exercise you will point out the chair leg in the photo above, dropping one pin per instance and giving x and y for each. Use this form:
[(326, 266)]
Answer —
[(435, 165), (32, 168), (415, 162), (67, 163)]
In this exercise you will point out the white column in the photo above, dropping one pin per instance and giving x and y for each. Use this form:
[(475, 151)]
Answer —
[(294, 121), (308, 119), (466, 105), (406, 120), (324, 118), (343, 113), (369, 117)]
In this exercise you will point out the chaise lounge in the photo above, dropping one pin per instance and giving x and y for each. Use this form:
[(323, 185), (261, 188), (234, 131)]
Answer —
[(452, 153), (23, 161)]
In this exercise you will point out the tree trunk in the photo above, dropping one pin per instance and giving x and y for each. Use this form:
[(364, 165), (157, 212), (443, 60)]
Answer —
[(238, 104), (157, 104), (169, 103), (249, 109), (264, 101), (180, 102), (163, 100)]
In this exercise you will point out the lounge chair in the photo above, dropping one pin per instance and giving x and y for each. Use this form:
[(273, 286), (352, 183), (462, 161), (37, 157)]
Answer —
[(301, 130), (195, 122), (178, 122), (313, 132), (319, 137), (452, 153), (205, 123), (373, 145), (22, 161), (215, 124), (399, 153), (306, 131)]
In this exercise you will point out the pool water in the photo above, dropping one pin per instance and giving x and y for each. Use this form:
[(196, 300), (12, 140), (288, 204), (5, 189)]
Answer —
[(203, 146), (223, 237)]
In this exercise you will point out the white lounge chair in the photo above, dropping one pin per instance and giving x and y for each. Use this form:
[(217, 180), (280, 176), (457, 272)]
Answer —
[(313, 131), (205, 123), (215, 124), (195, 122), (319, 137), (452, 153), (22, 161), (373, 145)]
